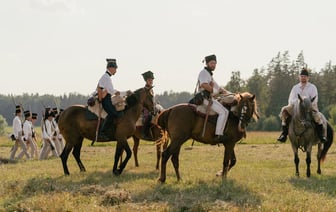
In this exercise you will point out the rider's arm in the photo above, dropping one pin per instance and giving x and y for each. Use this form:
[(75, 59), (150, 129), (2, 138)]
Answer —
[(207, 86)]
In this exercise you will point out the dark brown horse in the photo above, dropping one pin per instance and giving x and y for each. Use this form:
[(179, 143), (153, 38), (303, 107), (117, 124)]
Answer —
[(181, 122), (75, 126)]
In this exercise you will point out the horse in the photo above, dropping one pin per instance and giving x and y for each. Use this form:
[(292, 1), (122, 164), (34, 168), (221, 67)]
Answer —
[(182, 122), (155, 136), (74, 125), (303, 135)]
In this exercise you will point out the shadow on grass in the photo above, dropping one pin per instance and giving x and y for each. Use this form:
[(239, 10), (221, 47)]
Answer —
[(317, 184), (181, 196)]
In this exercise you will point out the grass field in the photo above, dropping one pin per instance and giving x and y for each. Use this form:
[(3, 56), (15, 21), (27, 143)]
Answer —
[(262, 180)]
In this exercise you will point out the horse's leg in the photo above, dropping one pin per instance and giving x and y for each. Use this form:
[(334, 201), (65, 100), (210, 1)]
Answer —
[(135, 150), (175, 161), (76, 153), (158, 155), (319, 151), (121, 157), (227, 159), (121, 145), (118, 152), (128, 151), (233, 159), (297, 162), (308, 161), (165, 156), (160, 146), (64, 157)]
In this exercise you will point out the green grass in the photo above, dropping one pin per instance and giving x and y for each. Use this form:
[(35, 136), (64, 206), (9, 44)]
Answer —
[(262, 180)]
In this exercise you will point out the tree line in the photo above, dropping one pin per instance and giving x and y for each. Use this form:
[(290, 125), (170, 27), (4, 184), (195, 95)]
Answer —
[(271, 85)]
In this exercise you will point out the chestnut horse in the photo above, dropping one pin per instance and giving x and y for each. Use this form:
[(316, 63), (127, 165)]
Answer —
[(303, 135), (75, 126), (181, 123)]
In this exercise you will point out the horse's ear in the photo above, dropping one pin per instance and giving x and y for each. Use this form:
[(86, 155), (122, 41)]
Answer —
[(313, 99), (253, 96), (300, 98), (240, 96)]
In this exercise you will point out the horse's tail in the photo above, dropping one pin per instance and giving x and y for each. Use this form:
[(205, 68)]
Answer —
[(327, 145), (162, 120)]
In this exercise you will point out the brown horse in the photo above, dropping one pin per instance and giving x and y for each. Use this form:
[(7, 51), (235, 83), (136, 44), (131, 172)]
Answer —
[(181, 122), (155, 136), (75, 126)]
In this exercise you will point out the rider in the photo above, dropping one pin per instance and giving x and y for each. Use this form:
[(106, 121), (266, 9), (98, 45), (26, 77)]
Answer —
[(105, 91), (206, 83), (147, 116), (304, 88)]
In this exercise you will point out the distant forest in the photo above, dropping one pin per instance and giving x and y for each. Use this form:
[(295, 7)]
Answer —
[(271, 85)]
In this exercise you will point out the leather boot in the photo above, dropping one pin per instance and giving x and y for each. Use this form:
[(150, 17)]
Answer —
[(146, 134), (283, 137), (220, 138), (103, 130), (319, 129)]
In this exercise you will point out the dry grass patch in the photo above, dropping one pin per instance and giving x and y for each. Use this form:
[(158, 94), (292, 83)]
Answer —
[(262, 180)]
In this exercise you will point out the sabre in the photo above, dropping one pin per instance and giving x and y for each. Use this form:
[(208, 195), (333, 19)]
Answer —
[(206, 116), (98, 124)]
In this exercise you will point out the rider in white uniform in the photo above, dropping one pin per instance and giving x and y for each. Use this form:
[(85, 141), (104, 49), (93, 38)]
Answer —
[(304, 88), (208, 85)]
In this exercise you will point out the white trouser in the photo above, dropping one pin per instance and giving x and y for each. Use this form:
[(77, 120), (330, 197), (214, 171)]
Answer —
[(32, 146), (24, 151), (18, 143), (46, 148), (223, 115)]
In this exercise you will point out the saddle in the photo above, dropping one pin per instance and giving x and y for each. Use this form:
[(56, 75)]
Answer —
[(94, 106), (229, 102)]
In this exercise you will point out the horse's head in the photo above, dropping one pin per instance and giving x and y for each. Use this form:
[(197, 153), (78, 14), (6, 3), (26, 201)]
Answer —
[(305, 109), (143, 96), (247, 109)]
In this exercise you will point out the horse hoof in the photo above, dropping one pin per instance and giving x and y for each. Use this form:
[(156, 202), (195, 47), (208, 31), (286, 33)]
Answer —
[(161, 181), (117, 172)]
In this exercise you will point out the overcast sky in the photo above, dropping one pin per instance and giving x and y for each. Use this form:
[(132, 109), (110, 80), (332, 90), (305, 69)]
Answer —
[(60, 46)]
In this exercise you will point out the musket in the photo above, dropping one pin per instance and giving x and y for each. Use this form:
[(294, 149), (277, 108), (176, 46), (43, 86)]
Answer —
[(57, 105), (206, 115)]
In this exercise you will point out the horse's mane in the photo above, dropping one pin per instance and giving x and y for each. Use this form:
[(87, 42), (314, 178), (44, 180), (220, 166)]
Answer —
[(133, 98)]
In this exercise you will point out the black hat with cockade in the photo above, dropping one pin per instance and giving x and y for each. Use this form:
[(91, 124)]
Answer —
[(148, 75), (304, 72), (111, 63), (210, 58)]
